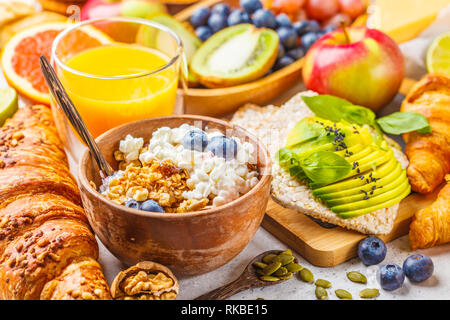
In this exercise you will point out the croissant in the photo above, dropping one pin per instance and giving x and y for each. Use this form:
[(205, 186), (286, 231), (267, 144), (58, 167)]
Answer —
[(431, 225), (47, 249), (429, 154)]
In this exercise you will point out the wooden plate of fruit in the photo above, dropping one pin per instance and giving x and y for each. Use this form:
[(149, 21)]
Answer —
[(220, 77)]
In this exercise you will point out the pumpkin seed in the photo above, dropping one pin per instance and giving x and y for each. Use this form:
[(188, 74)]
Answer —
[(286, 276), (293, 267), (284, 259), (369, 293), (268, 258), (281, 272), (259, 265), (356, 276), (321, 293), (269, 278), (306, 275), (288, 252), (271, 268), (343, 294), (323, 283)]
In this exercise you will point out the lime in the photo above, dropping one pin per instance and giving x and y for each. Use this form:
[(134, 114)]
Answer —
[(8, 103), (438, 55)]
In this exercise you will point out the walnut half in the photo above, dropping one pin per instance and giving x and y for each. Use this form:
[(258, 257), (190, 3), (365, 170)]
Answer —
[(145, 281)]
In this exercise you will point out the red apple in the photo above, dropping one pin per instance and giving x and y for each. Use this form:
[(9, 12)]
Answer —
[(364, 66)]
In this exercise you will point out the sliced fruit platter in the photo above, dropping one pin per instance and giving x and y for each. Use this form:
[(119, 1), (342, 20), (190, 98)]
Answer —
[(279, 31)]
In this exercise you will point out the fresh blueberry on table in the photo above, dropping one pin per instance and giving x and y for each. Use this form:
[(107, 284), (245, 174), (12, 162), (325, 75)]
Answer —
[(222, 146), (264, 18), (151, 206), (238, 17), (203, 33), (305, 26), (195, 140), (283, 62), (200, 17), (296, 53), (250, 6), (217, 22), (391, 277), (418, 267), (288, 37), (329, 29), (283, 20), (308, 39), (371, 250), (133, 204), (221, 8)]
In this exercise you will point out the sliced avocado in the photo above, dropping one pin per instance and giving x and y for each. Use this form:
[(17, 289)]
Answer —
[(306, 129), (363, 185), (350, 183), (367, 191), (386, 204), (372, 201)]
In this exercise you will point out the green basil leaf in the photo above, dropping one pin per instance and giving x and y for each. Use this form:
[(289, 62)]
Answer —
[(306, 129), (326, 106), (402, 122), (325, 167), (357, 114)]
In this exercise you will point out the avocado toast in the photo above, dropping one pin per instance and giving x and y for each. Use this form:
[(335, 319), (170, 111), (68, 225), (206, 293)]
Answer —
[(356, 201)]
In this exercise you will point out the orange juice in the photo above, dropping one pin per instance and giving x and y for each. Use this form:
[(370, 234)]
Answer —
[(123, 87)]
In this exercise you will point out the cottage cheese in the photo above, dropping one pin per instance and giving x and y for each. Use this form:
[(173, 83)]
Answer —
[(210, 177)]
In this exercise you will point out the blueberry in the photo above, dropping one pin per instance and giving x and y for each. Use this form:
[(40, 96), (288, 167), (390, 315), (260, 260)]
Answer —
[(203, 32), (296, 53), (391, 277), (283, 62), (237, 17), (221, 8), (371, 250), (281, 51), (329, 29), (223, 147), (283, 20), (195, 140), (264, 18), (200, 17), (133, 204), (308, 39), (217, 22), (250, 6), (418, 267), (151, 206), (305, 26), (288, 37)]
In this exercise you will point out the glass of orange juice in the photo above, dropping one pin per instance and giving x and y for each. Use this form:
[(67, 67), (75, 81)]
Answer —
[(115, 70)]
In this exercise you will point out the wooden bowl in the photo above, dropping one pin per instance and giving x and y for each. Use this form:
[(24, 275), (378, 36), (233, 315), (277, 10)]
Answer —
[(223, 101), (189, 243)]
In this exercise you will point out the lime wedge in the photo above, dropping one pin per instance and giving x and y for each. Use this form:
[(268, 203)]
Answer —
[(8, 103), (438, 55)]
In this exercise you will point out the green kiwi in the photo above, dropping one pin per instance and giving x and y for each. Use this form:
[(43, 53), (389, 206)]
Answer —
[(235, 55)]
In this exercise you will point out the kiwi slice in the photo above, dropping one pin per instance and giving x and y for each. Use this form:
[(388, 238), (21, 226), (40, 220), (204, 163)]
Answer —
[(151, 36), (235, 55)]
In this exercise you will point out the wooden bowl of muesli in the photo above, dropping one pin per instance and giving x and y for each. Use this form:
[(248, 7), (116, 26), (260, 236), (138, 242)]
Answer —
[(189, 243)]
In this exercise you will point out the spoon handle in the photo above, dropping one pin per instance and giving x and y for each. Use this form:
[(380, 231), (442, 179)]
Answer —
[(60, 94), (226, 291)]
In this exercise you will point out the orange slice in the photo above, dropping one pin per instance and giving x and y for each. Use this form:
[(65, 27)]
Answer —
[(20, 58)]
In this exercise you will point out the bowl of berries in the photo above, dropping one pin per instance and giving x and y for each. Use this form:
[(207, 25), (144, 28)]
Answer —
[(250, 51)]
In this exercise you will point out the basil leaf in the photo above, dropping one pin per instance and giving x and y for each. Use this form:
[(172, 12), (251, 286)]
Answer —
[(325, 167), (305, 129), (402, 122), (358, 115), (326, 106)]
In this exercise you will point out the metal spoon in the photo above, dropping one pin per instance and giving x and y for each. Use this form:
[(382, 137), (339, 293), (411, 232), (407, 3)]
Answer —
[(60, 94), (247, 280)]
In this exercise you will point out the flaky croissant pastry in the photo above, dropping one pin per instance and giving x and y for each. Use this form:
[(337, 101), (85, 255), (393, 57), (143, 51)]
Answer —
[(431, 225), (429, 154), (47, 250)]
